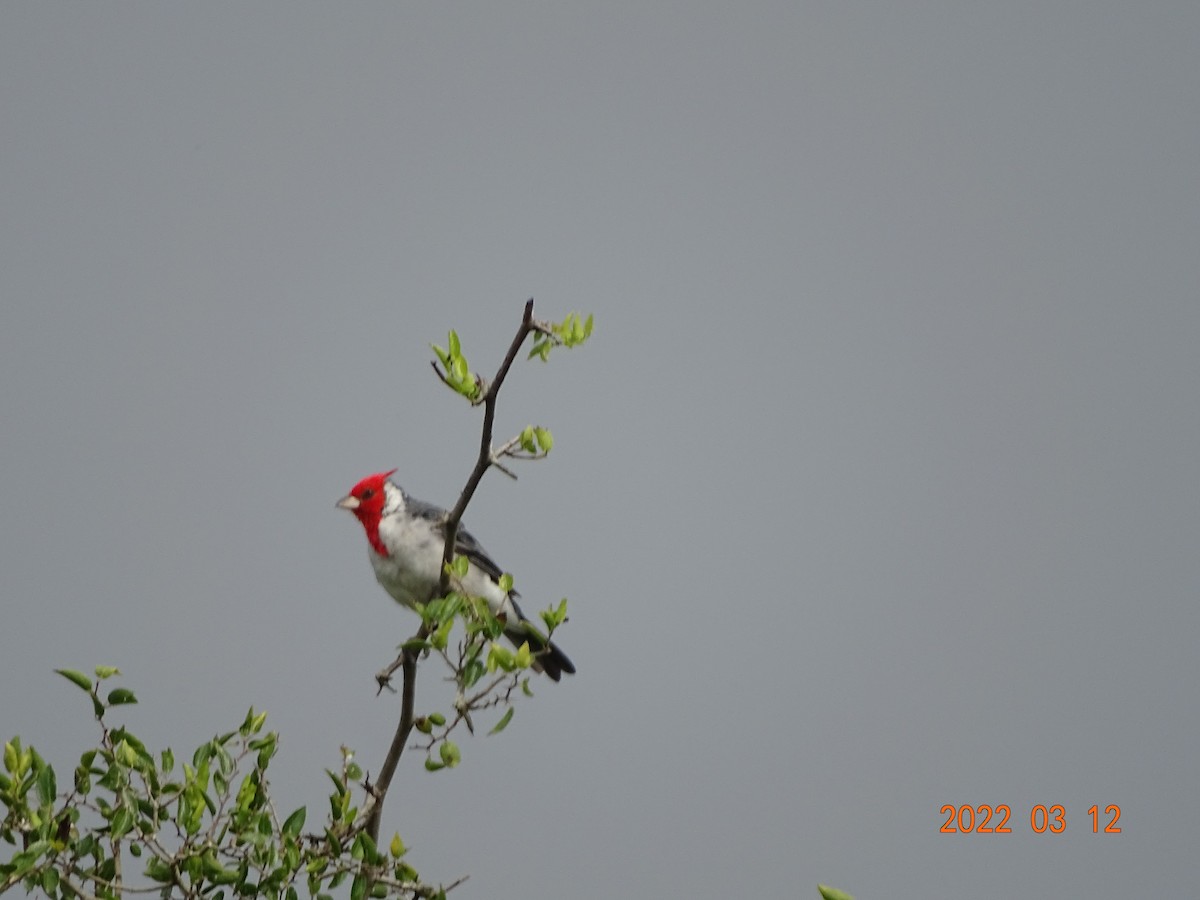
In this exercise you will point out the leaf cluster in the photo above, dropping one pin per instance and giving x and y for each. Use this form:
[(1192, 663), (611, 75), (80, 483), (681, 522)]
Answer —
[(570, 332), (204, 828), (455, 370), (465, 633), (135, 822), (478, 654)]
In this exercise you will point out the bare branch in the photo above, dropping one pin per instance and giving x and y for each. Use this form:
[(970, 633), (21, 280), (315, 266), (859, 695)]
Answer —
[(503, 468), (408, 661)]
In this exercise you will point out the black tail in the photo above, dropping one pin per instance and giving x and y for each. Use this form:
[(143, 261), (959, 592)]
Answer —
[(547, 657)]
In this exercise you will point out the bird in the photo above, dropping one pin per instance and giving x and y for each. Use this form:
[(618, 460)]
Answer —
[(405, 541)]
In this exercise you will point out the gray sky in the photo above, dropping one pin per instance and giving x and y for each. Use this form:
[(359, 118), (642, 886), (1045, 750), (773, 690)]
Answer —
[(875, 491)]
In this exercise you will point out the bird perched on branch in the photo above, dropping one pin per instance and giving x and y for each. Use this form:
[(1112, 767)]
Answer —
[(405, 541)]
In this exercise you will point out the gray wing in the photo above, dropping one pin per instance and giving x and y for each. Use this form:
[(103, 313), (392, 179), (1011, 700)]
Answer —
[(464, 544)]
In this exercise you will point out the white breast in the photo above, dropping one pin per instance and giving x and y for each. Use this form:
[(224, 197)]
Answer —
[(411, 571)]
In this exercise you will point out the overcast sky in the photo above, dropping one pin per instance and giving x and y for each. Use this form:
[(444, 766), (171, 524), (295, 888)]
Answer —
[(876, 489)]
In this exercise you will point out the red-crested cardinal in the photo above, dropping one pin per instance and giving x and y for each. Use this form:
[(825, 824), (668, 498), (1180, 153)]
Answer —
[(405, 540)]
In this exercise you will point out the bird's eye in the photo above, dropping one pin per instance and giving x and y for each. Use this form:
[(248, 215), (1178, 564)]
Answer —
[(368, 493)]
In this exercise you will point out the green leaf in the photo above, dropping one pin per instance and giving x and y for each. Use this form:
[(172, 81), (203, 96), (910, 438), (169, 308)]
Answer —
[(201, 757), (544, 438), (246, 794), (222, 875), (337, 781), (460, 565), (499, 658), (587, 327), (50, 881), (103, 672), (358, 887), (123, 734), (829, 893), (12, 757), (524, 656), (451, 756), (126, 754), (122, 822), (266, 747), (472, 672), (455, 344), (437, 719), (431, 765), (77, 678), (555, 617), (119, 696), (527, 442), (168, 760), (22, 862), (47, 787), (397, 848), (441, 638), (370, 852), (23, 764), (503, 723), (224, 760), (157, 870)]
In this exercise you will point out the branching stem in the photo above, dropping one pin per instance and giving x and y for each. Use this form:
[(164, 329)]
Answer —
[(485, 459), (407, 661)]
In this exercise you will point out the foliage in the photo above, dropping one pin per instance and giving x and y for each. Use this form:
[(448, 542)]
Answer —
[(487, 673), (205, 828), (210, 828)]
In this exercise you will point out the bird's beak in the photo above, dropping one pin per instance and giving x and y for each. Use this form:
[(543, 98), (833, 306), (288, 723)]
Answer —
[(349, 502)]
